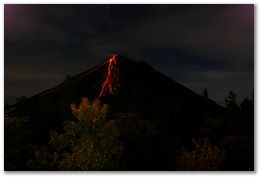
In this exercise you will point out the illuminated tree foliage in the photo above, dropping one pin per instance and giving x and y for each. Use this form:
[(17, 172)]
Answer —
[(89, 143), (204, 157)]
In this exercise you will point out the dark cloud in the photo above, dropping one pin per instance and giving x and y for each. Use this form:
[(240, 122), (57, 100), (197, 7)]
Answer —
[(197, 45)]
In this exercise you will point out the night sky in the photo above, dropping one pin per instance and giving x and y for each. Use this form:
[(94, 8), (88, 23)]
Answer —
[(199, 46)]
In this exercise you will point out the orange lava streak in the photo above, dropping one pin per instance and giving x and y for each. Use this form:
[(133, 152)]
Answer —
[(111, 80)]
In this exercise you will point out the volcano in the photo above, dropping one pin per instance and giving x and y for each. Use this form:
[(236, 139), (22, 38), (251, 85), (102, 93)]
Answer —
[(131, 87)]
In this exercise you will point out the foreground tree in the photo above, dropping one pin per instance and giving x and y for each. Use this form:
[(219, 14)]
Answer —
[(89, 143), (204, 157)]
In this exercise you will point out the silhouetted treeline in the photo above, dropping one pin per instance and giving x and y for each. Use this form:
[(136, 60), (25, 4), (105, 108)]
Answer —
[(98, 140)]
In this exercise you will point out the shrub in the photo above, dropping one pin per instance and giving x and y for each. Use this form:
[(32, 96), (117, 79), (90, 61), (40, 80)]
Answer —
[(204, 157)]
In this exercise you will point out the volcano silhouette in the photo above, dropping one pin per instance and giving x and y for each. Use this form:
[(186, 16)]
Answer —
[(128, 87)]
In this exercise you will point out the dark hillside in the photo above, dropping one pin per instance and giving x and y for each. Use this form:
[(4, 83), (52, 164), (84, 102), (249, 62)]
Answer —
[(132, 88)]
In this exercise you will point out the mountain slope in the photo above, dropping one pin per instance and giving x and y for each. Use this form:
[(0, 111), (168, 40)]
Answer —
[(133, 88), (140, 83)]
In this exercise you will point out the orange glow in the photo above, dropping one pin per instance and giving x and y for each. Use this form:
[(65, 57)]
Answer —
[(110, 84)]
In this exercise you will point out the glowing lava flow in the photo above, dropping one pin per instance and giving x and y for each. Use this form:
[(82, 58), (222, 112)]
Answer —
[(112, 79)]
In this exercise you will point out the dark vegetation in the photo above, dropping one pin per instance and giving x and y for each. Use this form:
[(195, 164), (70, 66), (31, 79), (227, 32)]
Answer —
[(150, 123)]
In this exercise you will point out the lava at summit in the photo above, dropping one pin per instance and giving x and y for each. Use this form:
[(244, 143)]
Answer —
[(111, 82)]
